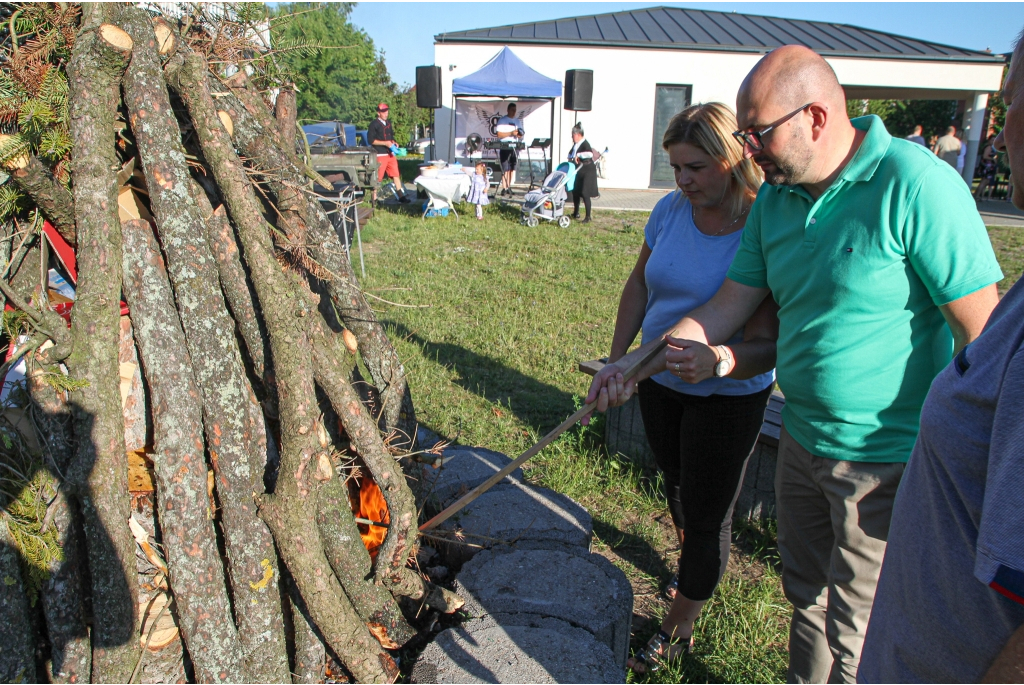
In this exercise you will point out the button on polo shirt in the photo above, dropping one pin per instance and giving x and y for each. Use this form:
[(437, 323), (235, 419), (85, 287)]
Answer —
[(859, 275)]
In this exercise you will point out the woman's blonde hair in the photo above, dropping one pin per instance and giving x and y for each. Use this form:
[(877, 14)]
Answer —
[(709, 126)]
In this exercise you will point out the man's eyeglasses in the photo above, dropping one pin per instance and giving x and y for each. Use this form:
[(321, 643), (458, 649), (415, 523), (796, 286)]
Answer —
[(752, 139)]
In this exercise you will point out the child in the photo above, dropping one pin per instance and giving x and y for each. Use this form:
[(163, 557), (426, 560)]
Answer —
[(478, 191)]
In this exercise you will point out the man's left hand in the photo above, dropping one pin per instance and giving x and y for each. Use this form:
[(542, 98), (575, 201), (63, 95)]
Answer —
[(690, 360)]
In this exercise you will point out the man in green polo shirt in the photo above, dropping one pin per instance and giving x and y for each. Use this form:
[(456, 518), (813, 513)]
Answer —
[(881, 267)]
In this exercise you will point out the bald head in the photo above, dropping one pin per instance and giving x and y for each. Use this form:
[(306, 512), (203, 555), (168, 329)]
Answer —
[(789, 77)]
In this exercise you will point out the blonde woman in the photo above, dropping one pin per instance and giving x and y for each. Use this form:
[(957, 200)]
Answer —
[(703, 409)]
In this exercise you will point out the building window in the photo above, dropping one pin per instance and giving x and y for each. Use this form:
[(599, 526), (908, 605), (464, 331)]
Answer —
[(669, 100)]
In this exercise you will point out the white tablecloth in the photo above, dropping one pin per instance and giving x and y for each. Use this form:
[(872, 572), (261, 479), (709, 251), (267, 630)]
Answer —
[(445, 189)]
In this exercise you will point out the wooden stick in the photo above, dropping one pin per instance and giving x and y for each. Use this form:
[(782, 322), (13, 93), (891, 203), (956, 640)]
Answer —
[(537, 447)]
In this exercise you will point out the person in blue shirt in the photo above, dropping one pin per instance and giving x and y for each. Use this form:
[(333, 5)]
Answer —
[(508, 158), (701, 420)]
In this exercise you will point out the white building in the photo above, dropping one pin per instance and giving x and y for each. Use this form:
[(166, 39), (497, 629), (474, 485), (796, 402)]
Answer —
[(649, 64)]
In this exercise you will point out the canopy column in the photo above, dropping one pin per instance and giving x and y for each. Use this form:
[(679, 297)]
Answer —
[(974, 121)]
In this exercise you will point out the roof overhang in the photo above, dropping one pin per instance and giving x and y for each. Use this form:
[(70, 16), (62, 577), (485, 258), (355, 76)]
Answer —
[(442, 39)]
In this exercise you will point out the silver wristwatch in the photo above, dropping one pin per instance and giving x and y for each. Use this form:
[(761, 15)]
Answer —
[(726, 363)]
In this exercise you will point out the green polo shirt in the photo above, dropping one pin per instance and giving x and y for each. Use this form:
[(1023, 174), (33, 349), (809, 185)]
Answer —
[(859, 275)]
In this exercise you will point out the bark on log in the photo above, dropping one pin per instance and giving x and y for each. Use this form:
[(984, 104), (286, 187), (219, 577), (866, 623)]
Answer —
[(100, 471), (286, 111), (254, 104), (50, 196), (324, 246), (231, 417), (332, 372), (310, 653), (233, 279), (17, 658), (290, 511), (183, 507), (63, 591), (352, 565)]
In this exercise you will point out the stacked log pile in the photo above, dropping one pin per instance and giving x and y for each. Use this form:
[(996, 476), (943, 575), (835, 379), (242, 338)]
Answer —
[(198, 245)]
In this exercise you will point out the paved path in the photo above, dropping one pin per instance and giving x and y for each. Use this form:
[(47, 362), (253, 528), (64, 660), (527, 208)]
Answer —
[(993, 212)]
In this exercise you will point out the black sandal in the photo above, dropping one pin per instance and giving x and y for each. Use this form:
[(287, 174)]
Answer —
[(659, 651), (671, 590)]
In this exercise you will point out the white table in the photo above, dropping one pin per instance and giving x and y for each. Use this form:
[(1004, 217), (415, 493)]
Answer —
[(445, 189)]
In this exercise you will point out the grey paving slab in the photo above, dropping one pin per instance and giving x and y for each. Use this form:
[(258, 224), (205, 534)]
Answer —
[(511, 512), (552, 651), (518, 586), (629, 200), (461, 470)]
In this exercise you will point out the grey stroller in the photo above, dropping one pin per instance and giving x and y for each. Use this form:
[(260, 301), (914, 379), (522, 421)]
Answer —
[(548, 201)]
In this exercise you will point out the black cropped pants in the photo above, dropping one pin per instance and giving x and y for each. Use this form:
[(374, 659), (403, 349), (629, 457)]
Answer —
[(701, 445)]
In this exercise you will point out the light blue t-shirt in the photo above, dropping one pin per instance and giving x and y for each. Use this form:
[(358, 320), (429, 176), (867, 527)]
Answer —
[(685, 270)]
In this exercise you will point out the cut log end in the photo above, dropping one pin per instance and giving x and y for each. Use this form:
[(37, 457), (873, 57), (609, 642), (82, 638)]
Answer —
[(351, 342), (116, 38), (166, 41), (225, 119)]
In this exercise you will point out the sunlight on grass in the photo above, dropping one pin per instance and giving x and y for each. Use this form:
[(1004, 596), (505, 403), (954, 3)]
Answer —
[(492, 361)]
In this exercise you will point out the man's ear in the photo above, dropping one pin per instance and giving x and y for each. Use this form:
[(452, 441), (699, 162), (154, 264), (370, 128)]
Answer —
[(819, 119)]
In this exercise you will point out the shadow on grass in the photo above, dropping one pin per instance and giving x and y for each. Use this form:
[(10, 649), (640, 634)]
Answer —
[(539, 405)]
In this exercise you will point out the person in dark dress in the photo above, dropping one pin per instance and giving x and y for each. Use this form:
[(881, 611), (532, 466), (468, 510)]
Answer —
[(585, 186)]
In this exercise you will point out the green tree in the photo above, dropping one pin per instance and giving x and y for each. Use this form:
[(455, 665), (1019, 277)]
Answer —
[(900, 116), (345, 77)]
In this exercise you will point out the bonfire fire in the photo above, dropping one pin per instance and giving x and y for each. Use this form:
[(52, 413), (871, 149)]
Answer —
[(373, 508)]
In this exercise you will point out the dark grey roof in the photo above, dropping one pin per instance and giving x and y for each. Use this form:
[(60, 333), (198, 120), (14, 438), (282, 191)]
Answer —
[(687, 29)]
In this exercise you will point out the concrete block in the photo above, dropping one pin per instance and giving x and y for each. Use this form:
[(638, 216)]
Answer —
[(624, 434), (585, 590), (511, 512), (550, 652), (463, 468)]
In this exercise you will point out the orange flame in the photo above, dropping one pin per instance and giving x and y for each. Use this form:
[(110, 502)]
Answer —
[(373, 507)]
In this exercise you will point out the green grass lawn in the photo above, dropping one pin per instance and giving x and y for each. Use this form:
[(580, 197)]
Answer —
[(494, 319)]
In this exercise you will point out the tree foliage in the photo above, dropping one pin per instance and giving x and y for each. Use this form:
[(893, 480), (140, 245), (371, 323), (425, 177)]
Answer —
[(900, 116), (346, 77)]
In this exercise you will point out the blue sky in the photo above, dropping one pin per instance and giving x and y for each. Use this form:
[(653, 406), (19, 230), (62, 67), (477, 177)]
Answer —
[(405, 30)]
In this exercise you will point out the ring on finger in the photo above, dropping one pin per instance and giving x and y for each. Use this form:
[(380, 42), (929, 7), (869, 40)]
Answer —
[(677, 366)]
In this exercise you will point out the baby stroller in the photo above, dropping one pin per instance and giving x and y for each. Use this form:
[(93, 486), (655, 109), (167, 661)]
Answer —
[(548, 201)]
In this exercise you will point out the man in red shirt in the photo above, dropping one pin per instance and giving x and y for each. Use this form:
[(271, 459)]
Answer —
[(382, 138)]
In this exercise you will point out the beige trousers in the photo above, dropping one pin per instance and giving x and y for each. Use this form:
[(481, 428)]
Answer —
[(833, 525)]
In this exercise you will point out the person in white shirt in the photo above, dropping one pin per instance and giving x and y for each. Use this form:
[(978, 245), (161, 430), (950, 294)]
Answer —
[(508, 158)]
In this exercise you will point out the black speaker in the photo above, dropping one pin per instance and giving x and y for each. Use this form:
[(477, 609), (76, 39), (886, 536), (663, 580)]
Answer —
[(428, 87), (579, 89)]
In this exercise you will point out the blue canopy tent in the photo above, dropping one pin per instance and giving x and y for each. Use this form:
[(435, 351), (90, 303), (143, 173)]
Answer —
[(505, 76)]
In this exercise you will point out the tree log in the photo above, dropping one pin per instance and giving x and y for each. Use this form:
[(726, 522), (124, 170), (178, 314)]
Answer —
[(351, 563), (332, 373), (254, 104), (233, 279), (50, 196), (217, 362), (63, 591), (184, 508), (100, 470), (286, 112), (17, 658), (290, 511), (324, 246), (310, 653)]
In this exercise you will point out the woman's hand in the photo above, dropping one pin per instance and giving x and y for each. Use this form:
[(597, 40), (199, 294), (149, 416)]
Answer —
[(609, 389), (690, 360)]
